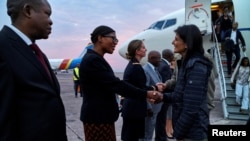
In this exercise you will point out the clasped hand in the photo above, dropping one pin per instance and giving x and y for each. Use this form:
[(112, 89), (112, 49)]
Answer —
[(154, 96), (161, 86)]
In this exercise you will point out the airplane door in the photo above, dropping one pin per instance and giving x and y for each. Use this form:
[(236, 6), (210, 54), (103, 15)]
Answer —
[(241, 13), (198, 12)]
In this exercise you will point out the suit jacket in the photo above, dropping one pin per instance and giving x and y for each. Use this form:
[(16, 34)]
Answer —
[(135, 75), (238, 37), (152, 79), (100, 86), (30, 104), (165, 71)]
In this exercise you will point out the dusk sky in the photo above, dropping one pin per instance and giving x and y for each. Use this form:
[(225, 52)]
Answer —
[(74, 20)]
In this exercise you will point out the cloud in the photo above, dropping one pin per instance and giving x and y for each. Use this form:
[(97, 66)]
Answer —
[(74, 20)]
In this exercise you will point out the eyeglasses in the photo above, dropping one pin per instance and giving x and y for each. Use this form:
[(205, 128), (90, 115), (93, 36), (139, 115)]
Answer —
[(115, 40)]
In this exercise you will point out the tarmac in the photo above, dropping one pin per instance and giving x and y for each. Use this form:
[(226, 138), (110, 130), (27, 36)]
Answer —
[(73, 106)]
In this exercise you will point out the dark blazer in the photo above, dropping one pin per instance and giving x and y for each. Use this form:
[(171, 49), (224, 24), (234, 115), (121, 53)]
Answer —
[(134, 74), (238, 37), (30, 105), (165, 71), (100, 86)]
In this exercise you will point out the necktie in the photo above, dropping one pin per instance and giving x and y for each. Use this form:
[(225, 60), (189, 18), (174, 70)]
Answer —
[(40, 57)]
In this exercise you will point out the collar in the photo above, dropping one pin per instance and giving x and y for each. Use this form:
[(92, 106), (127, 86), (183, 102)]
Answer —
[(165, 60), (151, 66), (21, 35)]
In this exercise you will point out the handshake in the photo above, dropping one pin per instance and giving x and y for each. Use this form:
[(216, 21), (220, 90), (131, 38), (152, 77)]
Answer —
[(156, 96)]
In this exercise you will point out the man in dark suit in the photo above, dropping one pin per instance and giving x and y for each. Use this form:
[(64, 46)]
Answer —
[(166, 108), (31, 108), (233, 35)]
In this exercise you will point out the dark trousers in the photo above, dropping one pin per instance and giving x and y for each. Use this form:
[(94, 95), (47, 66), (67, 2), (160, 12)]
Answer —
[(229, 55), (133, 129), (76, 85), (160, 131)]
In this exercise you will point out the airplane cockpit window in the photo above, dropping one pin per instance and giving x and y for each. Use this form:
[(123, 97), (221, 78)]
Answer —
[(158, 25), (169, 22)]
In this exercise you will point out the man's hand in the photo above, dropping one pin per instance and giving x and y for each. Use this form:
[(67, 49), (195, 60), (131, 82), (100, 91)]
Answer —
[(161, 86), (243, 49), (155, 96)]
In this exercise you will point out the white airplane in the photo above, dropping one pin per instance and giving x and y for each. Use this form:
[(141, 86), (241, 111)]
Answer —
[(160, 34), (65, 64)]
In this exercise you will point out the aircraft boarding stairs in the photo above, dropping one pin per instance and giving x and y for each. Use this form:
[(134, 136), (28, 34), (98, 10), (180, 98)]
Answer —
[(230, 109)]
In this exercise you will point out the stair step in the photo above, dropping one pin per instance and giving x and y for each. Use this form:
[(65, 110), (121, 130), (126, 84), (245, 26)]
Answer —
[(234, 113), (231, 94), (232, 108), (238, 117), (231, 101)]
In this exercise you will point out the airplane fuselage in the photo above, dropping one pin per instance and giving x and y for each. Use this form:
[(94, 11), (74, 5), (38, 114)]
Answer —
[(160, 34)]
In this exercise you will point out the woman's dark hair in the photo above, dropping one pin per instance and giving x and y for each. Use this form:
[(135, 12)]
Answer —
[(191, 36), (242, 61), (132, 47), (100, 30)]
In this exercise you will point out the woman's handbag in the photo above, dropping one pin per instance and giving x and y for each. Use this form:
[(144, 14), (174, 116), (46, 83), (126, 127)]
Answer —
[(233, 84)]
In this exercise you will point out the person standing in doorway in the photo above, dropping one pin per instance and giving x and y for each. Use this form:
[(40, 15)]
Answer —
[(31, 108), (225, 22)]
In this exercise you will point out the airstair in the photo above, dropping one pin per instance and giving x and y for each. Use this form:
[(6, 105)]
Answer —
[(233, 109), (230, 109)]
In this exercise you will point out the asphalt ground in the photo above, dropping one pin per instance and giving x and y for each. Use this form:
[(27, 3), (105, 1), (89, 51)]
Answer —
[(73, 106)]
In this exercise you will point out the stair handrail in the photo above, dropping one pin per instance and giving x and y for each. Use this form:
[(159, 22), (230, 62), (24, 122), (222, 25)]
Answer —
[(215, 52)]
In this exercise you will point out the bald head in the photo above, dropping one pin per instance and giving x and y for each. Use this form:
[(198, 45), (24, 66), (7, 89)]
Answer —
[(154, 57), (168, 54), (15, 7)]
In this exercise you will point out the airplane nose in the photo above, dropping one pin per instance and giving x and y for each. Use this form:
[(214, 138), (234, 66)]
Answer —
[(123, 49)]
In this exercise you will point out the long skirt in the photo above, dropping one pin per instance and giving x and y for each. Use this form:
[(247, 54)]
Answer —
[(99, 132)]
